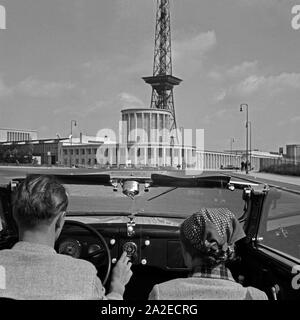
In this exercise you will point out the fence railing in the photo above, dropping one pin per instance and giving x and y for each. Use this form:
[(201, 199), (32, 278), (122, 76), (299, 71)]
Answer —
[(280, 166)]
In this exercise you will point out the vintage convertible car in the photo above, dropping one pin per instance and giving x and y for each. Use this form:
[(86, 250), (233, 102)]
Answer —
[(141, 214)]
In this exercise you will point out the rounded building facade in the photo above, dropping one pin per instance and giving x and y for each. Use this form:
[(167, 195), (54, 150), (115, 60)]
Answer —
[(146, 125)]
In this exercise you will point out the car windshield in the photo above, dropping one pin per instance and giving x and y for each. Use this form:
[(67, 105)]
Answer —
[(280, 225), (158, 201)]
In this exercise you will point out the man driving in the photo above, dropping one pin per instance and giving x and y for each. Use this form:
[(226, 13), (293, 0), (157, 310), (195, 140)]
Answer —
[(33, 269)]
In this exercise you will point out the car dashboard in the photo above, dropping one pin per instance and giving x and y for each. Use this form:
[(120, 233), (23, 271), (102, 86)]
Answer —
[(153, 246), (147, 244)]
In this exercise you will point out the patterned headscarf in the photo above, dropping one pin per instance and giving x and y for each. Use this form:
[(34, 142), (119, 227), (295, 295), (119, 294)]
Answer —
[(212, 230)]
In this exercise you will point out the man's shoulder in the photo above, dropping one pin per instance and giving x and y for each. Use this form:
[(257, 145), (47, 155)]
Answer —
[(52, 261), (78, 264)]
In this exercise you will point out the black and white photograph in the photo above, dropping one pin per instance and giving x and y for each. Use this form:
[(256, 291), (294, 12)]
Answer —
[(149, 151)]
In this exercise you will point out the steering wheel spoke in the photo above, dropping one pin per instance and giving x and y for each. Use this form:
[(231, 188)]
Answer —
[(101, 250), (94, 254)]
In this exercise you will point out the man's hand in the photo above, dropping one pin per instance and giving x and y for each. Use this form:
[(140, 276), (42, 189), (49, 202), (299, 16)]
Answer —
[(121, 274)]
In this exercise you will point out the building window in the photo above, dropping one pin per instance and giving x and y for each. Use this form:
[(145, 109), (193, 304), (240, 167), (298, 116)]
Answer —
[(71, 152), (89, 151), (83, 151), (77, 151), (95, 151), (160, 152), (65, 152), (89, 162)]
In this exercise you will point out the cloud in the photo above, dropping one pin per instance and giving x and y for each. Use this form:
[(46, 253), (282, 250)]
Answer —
[(195, 46), (212, 117), (79, 111), (36, 88), (249, 85), (246, 67), (5, 91), (130, 101), (291, 121), (264, 86), (189, 53), (98, 105), (261, 2), (239, 71), (96, 67), (219, 96), (270, 84)]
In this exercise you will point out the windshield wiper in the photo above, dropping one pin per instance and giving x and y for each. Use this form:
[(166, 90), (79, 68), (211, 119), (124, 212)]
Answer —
[(162, 194), (210, 181)]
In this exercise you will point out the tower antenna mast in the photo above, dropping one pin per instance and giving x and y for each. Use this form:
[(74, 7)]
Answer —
[(163, 81)]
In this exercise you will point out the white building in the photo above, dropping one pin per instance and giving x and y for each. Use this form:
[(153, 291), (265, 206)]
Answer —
[(145, 141), (10, 135)]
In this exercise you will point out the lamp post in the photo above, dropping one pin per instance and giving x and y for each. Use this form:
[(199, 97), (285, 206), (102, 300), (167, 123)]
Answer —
[(75, 124), (241, 110), (250, 143), (182, 148), (231, 143), (172, 149)]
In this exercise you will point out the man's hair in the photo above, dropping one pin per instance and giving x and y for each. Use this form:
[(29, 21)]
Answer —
[(38, 199)]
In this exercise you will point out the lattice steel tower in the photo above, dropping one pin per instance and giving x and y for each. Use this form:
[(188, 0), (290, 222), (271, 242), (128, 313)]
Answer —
[(163, 81)]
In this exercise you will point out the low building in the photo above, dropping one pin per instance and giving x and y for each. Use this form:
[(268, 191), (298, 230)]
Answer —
[(83, 155), (60, 151), (43, 151), (293, 152), (11, 135)]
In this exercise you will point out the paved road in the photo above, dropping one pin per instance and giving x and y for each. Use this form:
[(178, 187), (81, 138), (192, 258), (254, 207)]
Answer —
[(289, 182)]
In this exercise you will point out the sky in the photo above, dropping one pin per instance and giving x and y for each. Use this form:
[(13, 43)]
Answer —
[(63, 60)]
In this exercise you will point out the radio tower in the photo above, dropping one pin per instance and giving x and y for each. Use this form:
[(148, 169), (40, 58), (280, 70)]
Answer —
[(163, 81)]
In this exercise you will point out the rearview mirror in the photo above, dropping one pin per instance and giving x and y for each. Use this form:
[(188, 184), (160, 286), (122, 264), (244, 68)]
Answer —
[(131, 188)]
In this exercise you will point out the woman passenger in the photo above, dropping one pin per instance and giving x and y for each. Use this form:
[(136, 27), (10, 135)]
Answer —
[(208, 239)]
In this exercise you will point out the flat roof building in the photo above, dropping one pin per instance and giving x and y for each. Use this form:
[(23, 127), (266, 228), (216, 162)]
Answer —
[(293, 152), (10, 135)]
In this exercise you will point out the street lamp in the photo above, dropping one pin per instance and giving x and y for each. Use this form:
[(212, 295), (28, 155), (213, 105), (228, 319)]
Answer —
[(182, 148), (172, 149), (241, 110), (250, 143), (75, 124), (231, 143)]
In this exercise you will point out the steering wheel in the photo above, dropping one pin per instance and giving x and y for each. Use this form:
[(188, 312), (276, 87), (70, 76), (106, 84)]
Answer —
[(95, 233)]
